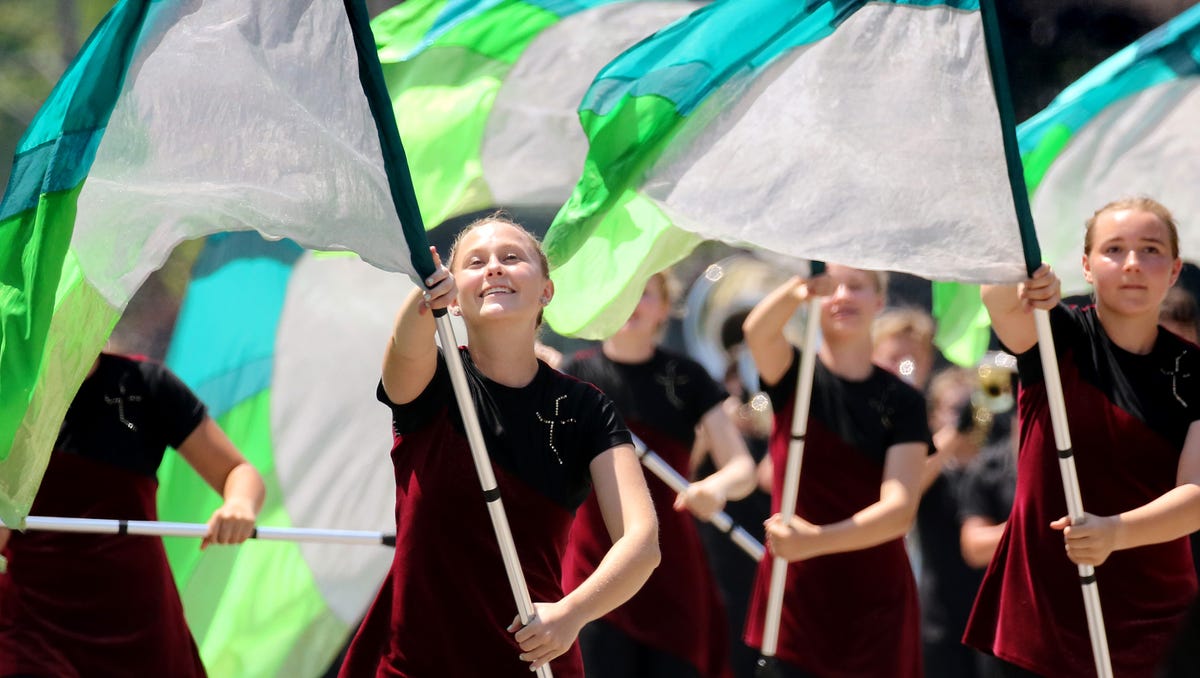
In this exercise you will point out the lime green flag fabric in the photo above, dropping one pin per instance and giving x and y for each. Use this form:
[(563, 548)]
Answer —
[(261, 325), (176, 120), (864, 133), (485, 92), (1128, 127)]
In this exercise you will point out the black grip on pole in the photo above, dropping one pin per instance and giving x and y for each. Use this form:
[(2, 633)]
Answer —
[(439, 312), (767, 667)]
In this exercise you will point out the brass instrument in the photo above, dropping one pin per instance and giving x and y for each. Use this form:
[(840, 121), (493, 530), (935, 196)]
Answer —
[(715, 306), (721, 297), (993, 394)]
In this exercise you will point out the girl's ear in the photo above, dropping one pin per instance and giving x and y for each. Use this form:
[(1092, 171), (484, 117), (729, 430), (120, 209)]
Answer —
[(1176, 269), (547, 292), (1087, 270)]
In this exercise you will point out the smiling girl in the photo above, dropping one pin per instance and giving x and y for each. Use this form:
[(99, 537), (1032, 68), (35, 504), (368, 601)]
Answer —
[(446, 607), (850, 603), (1132, 399)]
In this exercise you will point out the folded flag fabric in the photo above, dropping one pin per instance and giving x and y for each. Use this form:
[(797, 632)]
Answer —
[(485, 92), (862, 133), (264, 327), (1131, 126), (177, 119)]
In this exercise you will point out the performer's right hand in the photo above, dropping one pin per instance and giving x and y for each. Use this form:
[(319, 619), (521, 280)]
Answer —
[(1043, 289), (440, 288)]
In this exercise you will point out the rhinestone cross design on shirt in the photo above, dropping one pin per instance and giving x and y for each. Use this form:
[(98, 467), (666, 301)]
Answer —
[(882, 404), (120, 401), (669, 380), (1175, 375), (555, 421)]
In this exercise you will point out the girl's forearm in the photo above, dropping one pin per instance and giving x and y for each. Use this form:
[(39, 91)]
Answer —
[(245, 484), (1173, 515), (620, 574)]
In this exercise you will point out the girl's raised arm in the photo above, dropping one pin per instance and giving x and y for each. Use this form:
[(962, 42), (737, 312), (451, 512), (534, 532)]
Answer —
[(410, 360), (1010, 308)]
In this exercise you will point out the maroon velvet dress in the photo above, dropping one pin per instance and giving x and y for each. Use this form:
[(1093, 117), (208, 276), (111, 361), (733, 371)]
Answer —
[(446, 603), (102, 605), (1128, 417), (852, 614), (679, 610)]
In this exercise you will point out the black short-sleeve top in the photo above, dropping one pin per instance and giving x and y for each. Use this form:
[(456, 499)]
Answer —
[(545, 433), (127, 413)]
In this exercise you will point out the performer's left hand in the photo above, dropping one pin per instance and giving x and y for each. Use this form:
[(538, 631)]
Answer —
[(792, 541), (702, 498), (1090, 540), (549, 634), (233, 523)]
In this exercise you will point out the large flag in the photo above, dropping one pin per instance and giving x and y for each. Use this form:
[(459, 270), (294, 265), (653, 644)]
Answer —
[(865, 133), (485, 92), (282, 345), (1131, 126), (180, 118)]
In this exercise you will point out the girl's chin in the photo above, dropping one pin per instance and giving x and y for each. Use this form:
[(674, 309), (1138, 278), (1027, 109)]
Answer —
[(504, 311), (846, 329)]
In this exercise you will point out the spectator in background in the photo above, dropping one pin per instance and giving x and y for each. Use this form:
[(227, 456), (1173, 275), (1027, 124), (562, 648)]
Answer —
[(903, 344)]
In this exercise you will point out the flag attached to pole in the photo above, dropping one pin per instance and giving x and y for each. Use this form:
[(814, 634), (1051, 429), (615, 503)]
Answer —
[(179, 119), (485, 92), (866, 133), (1131, 126)]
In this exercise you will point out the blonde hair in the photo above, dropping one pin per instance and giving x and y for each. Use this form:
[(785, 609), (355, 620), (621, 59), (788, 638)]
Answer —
[(1141, 204), (907, 322), (668, 284)]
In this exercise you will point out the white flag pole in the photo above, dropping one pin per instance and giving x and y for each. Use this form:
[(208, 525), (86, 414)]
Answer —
[(487, 479), (1070, 481), (791, 480)]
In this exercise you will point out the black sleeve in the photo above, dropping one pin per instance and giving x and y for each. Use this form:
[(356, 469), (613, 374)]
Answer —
[(707, 392), (911, 421), (176, 409), (413, 415), (605, 429), (783, 391)]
